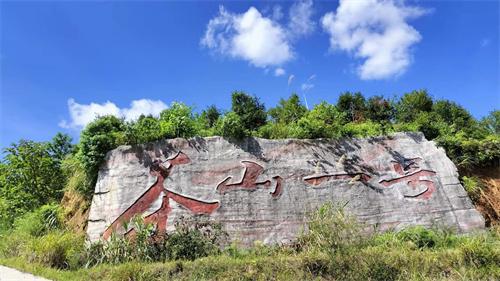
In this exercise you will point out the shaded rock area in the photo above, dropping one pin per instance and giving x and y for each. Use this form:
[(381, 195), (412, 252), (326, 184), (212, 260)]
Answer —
[(263, 189)]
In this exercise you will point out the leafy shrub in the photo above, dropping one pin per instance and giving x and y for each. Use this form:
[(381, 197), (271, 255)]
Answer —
[(176, 121), (194, 239), (469, 153), (365, 129), (324, 121), (419, 236), (145, 129), (231, 126), (100, 136), (191, 240), (40, 221), (30, 177), (473, 187)]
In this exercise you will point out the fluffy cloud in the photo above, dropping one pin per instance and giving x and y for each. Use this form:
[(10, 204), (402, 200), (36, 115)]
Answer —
[(300, 15), (248, 36), (82, 114), (279, 72), (374, 30)]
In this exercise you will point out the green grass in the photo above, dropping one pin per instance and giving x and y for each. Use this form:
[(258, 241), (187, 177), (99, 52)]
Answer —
[(381, 261), (332, 249)]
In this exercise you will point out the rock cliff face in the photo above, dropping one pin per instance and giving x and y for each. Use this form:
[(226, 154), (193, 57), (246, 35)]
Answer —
[(263, 189)]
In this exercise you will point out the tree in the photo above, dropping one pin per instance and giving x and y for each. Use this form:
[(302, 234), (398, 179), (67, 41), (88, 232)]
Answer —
[(31, 177), (231, 126), (453, 114), (100, 136), (353, 105), (60, 146), (411, 104), (145, 129), (492, 122), (288, 111), (250, 110), (324, 121), (177, 121), (379, 109), (211, 115)]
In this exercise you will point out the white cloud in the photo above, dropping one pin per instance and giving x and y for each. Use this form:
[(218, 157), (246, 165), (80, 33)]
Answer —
[(279, 72), (377, 31), (300, 15), (248, 36), (290, 79), (307, 86), (82, 114)]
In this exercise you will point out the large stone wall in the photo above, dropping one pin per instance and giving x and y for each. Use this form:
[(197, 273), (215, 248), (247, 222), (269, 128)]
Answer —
[(263, 189)]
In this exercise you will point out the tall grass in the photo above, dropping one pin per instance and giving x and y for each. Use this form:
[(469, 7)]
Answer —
[(334, 247)]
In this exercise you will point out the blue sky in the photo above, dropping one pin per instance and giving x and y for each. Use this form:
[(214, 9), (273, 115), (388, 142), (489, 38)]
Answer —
[(63, 62)]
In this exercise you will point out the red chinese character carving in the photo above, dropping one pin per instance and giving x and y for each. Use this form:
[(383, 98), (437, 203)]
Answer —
[(144, 202), (318, 179), (408, 168), (406, 165), (413, 180), (249, 180)]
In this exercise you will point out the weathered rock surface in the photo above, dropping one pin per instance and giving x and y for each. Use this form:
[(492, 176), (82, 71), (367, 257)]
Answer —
[(263, 189)]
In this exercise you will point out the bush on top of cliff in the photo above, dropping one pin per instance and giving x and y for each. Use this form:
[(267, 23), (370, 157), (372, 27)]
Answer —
[(24, 186), (468, 142)]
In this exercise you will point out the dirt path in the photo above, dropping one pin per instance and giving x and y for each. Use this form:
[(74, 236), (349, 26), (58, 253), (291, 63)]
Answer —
[(9, 274)]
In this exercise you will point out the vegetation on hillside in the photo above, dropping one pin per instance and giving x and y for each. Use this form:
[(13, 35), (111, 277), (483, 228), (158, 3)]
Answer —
[(46, 187), (333, 248), (37, 173)]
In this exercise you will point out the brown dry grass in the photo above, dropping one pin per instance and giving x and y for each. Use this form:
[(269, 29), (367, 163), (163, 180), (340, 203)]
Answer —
[(489, 201), (75, 211)]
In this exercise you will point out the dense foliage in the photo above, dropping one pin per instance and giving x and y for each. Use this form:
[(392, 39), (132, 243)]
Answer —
[(31, 176), (36, 173)]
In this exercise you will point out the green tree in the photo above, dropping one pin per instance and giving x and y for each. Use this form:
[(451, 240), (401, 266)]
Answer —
[(211, 115), (31, 177), (453, 114), (492, 122), (411, 104), (354, 105), (324, 121), (231, 126), (250, 110), (60, 147), (379, 109), (177, 121), (145, 129), (100, 136), (288, 111)]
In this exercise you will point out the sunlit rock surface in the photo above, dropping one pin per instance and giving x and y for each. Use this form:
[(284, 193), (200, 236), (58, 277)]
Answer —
[(263, 189)]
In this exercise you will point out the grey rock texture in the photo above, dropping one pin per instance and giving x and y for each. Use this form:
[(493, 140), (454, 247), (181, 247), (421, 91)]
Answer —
[(263, 189)]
